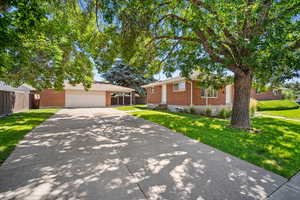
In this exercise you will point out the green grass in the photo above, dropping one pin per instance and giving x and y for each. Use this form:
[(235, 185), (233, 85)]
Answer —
[(129, 108), (14, 127), (276, 148), (277, 105), (293, 114)]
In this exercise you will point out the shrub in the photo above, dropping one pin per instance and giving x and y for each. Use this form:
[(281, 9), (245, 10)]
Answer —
[(289, 94), (276, 105), (253, 107), (252, 111), (225, 113), (187, 110), (208, 112), (193, 110)]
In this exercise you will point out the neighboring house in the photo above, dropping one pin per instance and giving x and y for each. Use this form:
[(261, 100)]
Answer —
[(99, 95), (181, 93), (15, 99), (275, 94)]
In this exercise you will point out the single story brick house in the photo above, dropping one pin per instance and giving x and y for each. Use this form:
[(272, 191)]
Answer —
[(178, 92), (99, 95)]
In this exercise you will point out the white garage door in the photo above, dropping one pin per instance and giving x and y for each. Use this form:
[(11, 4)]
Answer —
[(85, 98)]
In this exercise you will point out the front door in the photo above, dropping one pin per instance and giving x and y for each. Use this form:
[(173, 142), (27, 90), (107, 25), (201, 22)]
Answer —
[(164, 94), (228, 94)]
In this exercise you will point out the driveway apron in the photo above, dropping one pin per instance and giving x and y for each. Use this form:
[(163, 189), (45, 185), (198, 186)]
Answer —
[(102, 153)]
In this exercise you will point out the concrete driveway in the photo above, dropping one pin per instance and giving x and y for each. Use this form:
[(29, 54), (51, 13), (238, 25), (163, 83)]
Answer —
[(105, 154)]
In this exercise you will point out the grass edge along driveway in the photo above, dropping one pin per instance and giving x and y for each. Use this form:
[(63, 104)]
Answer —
[(13, 128), (276, 148), (131, 108)]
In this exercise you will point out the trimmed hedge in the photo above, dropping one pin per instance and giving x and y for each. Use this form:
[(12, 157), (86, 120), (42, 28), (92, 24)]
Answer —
[(277, 105)]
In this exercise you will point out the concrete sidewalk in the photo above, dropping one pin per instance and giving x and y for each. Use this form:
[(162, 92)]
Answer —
[(290, 190), (277, 117), (102, 153)]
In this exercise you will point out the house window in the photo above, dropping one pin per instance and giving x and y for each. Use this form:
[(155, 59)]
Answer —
[(209, 93), (151, 90), (180, 86)]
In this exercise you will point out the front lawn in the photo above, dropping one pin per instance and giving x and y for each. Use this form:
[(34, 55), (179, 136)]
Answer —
[(293, 114), (276, 148), (13, 128), (276, 105), (129, 108)]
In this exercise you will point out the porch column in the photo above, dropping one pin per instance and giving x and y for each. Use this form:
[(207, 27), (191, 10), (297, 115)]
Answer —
[(130, 98)]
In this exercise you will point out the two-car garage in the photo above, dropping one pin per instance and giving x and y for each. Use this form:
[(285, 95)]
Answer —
[(75, 98)]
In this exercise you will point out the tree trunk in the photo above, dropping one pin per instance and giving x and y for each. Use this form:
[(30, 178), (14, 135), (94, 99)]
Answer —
[(241, 100)]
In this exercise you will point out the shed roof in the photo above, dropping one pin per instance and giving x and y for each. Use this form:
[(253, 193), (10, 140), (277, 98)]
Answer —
[(22, 88)]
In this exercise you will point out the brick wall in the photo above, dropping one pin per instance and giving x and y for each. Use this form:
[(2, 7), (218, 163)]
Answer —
[(179, 97), (198, 100), (154, 98), (107, 98), (184, 97), (50, 97)]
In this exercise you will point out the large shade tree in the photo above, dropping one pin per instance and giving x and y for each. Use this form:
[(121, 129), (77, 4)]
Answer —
[(43, 43), (256, 40)]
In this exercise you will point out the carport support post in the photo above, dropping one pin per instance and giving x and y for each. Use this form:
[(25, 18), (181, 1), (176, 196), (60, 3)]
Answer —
[(123, 98)]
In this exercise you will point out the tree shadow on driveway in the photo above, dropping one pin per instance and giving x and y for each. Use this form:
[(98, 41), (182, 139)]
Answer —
[(101, 154)]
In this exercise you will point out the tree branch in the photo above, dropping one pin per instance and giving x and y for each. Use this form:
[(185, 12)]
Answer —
[(171, 16), (174, 38), (170, 52)]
